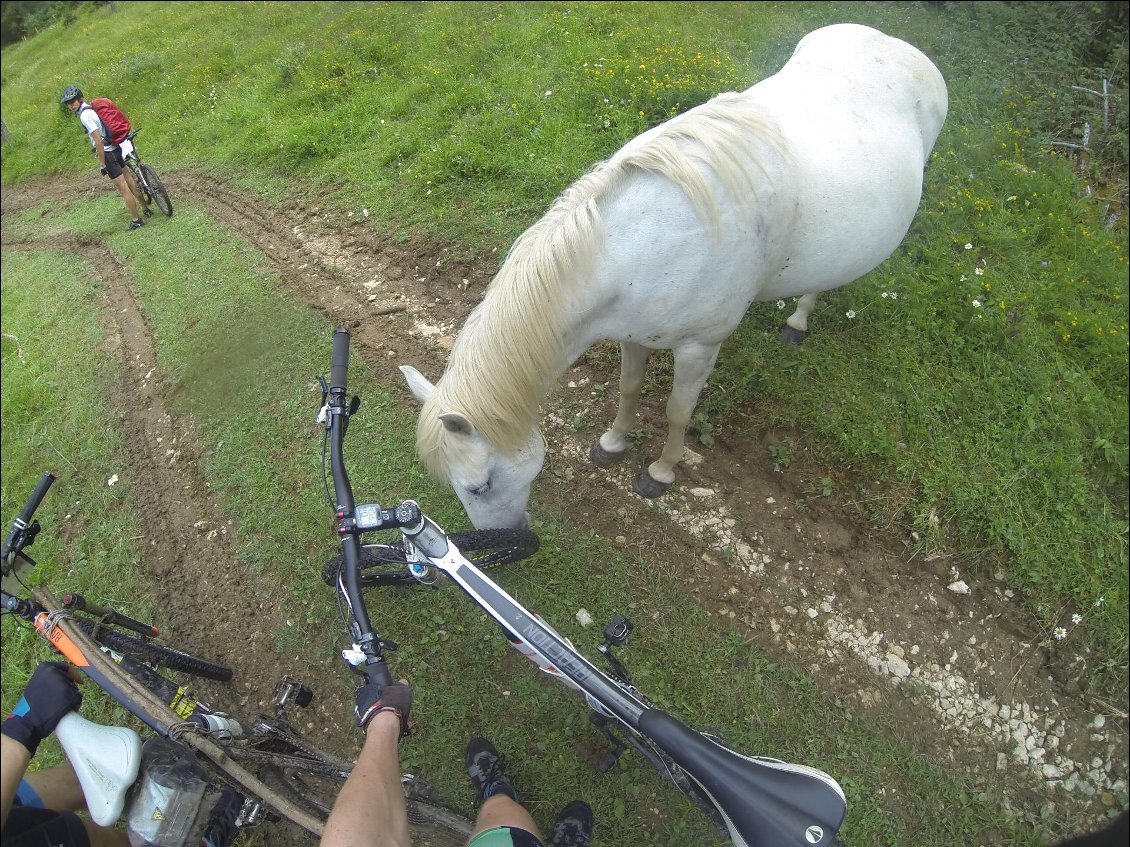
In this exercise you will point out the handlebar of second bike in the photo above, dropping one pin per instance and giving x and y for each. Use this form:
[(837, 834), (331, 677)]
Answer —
[(338, 410), (17, 536)]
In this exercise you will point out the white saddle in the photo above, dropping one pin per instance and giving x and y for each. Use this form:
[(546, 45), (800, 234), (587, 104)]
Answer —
[(106, 759)]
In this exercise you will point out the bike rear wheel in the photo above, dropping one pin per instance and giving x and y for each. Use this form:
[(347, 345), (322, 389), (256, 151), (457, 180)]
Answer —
[(157, 191), (386, 564), (148, 651)]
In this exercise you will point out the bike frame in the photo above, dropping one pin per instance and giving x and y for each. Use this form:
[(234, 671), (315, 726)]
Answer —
[(802, 805)]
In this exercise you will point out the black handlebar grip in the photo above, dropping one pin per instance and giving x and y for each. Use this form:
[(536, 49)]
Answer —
[(377, 671), (339, 364), (36, 497)]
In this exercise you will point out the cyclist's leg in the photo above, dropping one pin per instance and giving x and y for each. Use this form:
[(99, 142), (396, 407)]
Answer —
[(55, 788), (28, 826), (504, 821), (131, 180), (500, 812), (117, 173)]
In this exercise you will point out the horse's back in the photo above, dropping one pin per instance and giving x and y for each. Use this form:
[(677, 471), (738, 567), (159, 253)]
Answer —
[(858, 113), (852, 69)]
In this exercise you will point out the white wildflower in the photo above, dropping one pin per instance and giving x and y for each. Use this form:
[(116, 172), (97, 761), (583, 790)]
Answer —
[(851, 314), (1060, 633), (1077, 619), (780, 304), (968, 246)]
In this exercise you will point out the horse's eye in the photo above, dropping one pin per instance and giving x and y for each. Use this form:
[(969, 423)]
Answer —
[(479, 490)]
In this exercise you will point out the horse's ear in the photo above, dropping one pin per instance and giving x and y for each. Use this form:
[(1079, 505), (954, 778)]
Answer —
[(417, 383), (457, 424)]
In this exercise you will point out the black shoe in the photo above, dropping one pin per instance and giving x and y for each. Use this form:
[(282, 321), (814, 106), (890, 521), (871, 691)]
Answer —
[(148, 212), (138, 224), (573, 827), (484, 767), (221, 829)]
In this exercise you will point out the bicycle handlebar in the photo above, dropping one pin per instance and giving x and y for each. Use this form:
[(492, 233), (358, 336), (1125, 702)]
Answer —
[(337, 416), (17, 533)]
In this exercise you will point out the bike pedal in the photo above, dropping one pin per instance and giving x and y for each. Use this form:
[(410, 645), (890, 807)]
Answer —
[(608, 762), (618, 631)]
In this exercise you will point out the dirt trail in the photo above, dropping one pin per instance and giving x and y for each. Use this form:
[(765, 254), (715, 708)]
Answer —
[(948, 660)]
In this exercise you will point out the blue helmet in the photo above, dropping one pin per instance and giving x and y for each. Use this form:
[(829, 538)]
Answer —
[(70, 93)]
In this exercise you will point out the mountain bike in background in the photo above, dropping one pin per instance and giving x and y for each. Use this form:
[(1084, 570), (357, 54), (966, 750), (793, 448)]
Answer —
[(148, 181)]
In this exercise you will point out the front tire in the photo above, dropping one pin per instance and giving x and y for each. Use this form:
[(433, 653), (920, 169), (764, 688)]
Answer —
[(386, 564), (158, 654), (157, 191)]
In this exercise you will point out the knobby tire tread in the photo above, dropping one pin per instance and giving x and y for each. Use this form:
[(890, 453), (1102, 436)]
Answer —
[(138, 647), (385, 564), (157, 189)]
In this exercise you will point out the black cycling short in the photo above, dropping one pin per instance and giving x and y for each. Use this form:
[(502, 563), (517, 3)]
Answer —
[(115, 164), (28, 826)]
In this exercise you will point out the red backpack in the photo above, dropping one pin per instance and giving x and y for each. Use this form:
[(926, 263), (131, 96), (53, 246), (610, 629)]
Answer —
[(114, 119)]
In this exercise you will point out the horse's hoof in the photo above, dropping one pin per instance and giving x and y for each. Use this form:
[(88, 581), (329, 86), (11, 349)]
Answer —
[(791, 336), (604, 458), (647, 486)]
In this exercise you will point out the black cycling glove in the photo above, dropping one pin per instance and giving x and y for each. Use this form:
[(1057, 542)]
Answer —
[(50, 694), (373, 698)]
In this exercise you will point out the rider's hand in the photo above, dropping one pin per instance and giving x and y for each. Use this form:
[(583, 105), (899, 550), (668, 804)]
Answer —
[(373, 698), (102, 170), (50, 694)]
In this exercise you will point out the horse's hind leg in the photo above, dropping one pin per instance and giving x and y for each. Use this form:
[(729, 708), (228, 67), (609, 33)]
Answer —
[(796, 327), (611, 446), (693, 365)]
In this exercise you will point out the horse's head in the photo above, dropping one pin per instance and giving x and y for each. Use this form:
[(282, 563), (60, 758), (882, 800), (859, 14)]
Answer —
[(492, 485)]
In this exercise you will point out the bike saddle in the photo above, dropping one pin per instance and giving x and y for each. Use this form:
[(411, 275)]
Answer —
[(763, 801), (106, 760)]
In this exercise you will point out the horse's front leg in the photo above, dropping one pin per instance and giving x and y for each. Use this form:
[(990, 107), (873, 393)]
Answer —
[(796, 327), (611, 446), (693, 365)]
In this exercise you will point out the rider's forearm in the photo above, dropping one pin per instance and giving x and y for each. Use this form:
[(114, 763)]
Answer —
[(14, 759), (370, 810), (99, 148)]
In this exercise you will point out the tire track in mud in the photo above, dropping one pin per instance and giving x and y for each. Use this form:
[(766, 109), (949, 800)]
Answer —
[(817, 592), (189, 553)]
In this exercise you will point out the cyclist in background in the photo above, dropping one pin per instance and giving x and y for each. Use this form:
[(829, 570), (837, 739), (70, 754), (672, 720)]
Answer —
[(370, 810), (109, 154)]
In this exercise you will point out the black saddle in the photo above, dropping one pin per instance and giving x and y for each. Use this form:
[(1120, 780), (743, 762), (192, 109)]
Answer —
[(764, 802)]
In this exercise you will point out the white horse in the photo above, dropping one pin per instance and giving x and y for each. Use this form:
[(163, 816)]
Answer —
[(803, 183)]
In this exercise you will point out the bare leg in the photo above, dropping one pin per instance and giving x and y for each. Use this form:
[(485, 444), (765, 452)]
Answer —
[(135, 188), (101, 836), (127, 195), (58, 788), (500, 810)]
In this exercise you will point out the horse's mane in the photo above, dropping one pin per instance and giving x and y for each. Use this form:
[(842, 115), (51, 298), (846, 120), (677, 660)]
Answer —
[(511, 348)]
